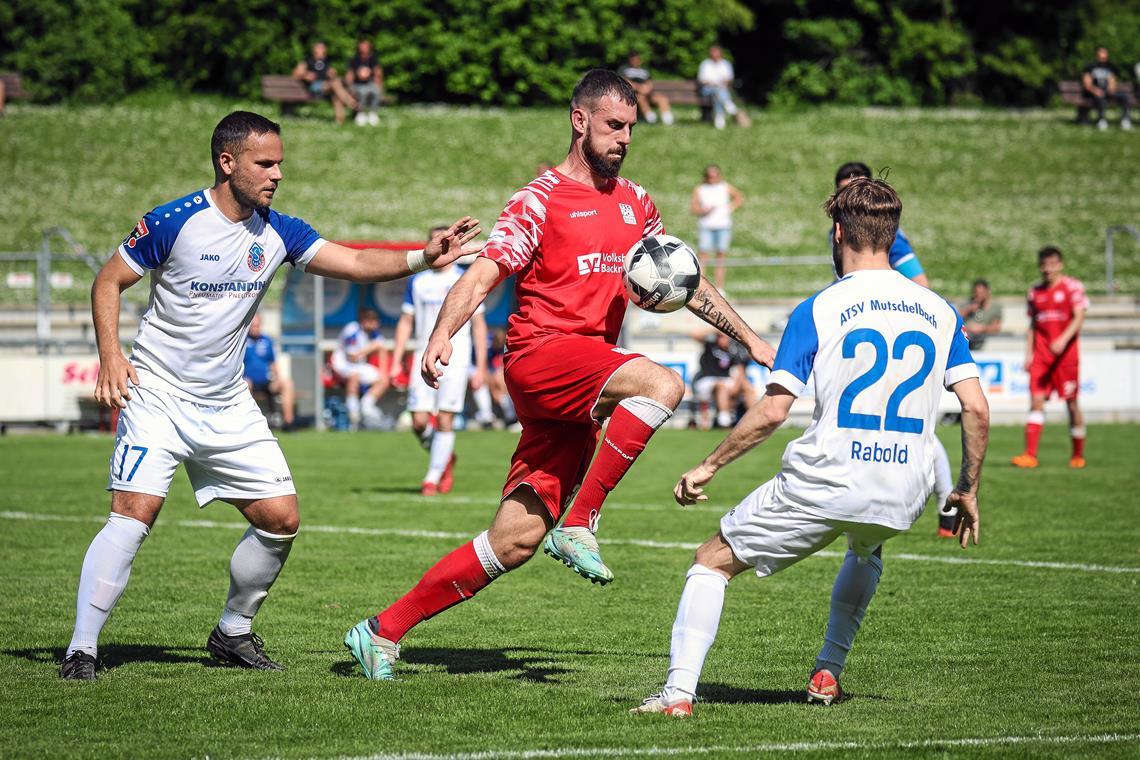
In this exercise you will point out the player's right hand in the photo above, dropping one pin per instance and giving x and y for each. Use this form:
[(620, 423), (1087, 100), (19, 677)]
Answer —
[(438, 351), (690, 488), (967, 523), (116, 374), (1028, 362)]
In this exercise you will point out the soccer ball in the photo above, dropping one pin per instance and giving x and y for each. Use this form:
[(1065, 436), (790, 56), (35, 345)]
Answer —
[(661, 273)]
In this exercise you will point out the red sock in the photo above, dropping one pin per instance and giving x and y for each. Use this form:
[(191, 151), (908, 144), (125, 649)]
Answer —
[(625, 438), (1079, 446), (1032, 436), (454, 579)]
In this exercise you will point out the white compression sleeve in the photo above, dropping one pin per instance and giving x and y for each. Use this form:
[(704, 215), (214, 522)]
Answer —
[(254, 566), (106, 569), (694, 630)]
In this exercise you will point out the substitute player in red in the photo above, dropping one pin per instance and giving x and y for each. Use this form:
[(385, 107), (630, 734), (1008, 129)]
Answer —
[(1057, 307), (564, 235)]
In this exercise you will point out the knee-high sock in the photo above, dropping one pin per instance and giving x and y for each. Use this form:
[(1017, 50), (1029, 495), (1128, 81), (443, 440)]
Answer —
[(1033, 424), (482, 396), (634, 421), (694, 630), (854, 587), (352, 403), (254, 566), (106, 568), (943, 480), (442, 446), (454, 579), (1077, 434)]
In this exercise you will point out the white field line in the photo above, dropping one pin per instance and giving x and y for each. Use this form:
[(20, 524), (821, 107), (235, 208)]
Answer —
[(757, 749), (643, 543), (490, 500)]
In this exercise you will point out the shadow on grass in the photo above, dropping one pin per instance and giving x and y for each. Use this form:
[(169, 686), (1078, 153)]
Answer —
[(112, 656), (719, 693), (410, 490)]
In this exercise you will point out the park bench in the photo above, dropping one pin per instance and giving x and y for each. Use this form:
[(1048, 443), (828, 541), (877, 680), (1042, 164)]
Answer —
[(285, 90), (1073, 94), (13, 86)]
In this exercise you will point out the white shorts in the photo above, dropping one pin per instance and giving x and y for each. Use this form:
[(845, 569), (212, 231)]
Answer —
[(368, 374), (452, 391), (771, 535), (703, 387), (228, 451)]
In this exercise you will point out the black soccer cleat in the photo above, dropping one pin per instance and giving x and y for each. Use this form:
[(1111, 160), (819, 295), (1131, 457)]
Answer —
[(247, 651), (77, 666)]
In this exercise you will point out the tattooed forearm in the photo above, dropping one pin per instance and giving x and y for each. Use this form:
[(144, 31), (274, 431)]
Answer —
[(705, 306)]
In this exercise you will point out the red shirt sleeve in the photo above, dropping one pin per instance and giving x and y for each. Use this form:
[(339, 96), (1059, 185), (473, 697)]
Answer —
[(1078, 299), (518, 232), (653, 224)]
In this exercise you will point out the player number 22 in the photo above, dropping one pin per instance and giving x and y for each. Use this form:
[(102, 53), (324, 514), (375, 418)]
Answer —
[(893, 422), (127, 448)]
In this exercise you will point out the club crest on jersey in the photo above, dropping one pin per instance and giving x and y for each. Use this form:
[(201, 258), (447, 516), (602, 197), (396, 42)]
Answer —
[(627, 213), (256, 259), (140, 231)]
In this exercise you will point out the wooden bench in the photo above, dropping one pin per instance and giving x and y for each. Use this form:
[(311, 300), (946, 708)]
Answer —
[(13, 87), (285, 90), (1073, 94), (682, 92)]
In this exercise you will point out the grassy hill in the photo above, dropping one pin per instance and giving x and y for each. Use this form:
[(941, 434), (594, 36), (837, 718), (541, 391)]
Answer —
[(982, 189)]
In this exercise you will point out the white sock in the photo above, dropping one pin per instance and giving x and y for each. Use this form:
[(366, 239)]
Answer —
[(667, 117), (254, 566), (724, 419), (694, 630), (484, 411), (651, 117), (106, 568), (508, 407), (352, 403), (854, 587), (491, 564), (647, 410), (441, 447), (943, 479)]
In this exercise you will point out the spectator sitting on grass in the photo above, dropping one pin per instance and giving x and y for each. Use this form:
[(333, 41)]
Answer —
[(980, 317), (1100, 83), (264, 374), (716, 77), (366, 78), (647, 99), (322, 81)]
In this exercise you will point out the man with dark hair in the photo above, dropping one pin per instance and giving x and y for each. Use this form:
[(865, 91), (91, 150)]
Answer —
[(322, 80), (351, 361), (647, 98), (211, 256), (1057, 307), (980, 316), (861, 469), (1100, 82), (366, 78), (565, 235), (264, 374)]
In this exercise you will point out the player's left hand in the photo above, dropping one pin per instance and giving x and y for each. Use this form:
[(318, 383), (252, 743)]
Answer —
[(690, 488), (967, 523), (1058, 346), (763, 353), (446, 246), (478, 378), (437, 351)]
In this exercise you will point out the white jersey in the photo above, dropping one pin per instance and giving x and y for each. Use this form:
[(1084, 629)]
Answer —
[(715, 73), (208, 276), (423, 298), (880, 349), (719, 200), (353, 338)]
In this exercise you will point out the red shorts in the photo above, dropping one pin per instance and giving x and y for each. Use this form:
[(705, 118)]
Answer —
[(555, 386), (1049, 376)]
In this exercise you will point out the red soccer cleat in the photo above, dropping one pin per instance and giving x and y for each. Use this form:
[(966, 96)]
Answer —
[(429, 489), (1025, 461), (447, 479), (823, 688)]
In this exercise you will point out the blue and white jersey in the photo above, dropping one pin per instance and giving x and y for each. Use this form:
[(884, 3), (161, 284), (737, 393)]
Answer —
[(208, 276), (353, 338), (879, 349), (423, 299)]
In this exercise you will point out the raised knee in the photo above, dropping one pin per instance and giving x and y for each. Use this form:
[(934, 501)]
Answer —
[(671, 388)]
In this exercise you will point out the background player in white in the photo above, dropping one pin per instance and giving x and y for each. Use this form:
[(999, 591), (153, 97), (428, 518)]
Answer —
[(212, 255), (422, 301), (357, 341), (882, 348)]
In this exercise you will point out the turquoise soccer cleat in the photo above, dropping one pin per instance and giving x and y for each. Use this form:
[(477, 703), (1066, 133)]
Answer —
[(375, 654), (577, 548)]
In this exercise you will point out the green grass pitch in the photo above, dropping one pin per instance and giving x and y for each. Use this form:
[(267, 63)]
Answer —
[(994, 657)]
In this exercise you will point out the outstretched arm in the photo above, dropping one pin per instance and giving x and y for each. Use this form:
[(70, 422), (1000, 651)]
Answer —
[(712, 307), (377, 265), (755, 427), (112, 389), (461, 302), (975, 438)]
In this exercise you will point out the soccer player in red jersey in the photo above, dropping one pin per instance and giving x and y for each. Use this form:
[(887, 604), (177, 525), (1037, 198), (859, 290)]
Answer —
[(1057, 307), (565, 236)]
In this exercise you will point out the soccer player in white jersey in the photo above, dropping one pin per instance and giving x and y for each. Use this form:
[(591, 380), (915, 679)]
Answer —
[(879, 350), (422, 301), (211, 256), (357, 341)]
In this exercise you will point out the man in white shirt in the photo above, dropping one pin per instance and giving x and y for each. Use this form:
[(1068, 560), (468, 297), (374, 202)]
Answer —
[(423, 298), (879, 350), (211, 256), (716, 76), (357, 341)]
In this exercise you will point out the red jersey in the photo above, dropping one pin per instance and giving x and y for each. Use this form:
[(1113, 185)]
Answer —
[(1051, 310), (567, 241)]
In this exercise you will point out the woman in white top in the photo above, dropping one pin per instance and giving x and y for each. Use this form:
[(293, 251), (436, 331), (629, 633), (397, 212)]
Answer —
[(713, 203)]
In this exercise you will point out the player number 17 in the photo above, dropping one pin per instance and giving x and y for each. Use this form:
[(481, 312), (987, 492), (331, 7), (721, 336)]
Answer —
[(893, 421), (127, 448)]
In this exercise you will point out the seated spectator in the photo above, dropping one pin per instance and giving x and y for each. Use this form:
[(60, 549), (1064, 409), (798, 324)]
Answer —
[(359, 341), (713, 203), (647, 99), (264, 374), (716, 77), (322, 81), (721, 378), (367, 81), (1100, 82), (495, 389), (980, 317)]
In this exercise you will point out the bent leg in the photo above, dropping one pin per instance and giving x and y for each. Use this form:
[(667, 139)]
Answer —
[(258, 558), (853, 590)]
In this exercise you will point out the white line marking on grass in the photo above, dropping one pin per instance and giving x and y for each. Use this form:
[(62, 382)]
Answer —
[(643, 543), (755, 749), (492, 499)]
